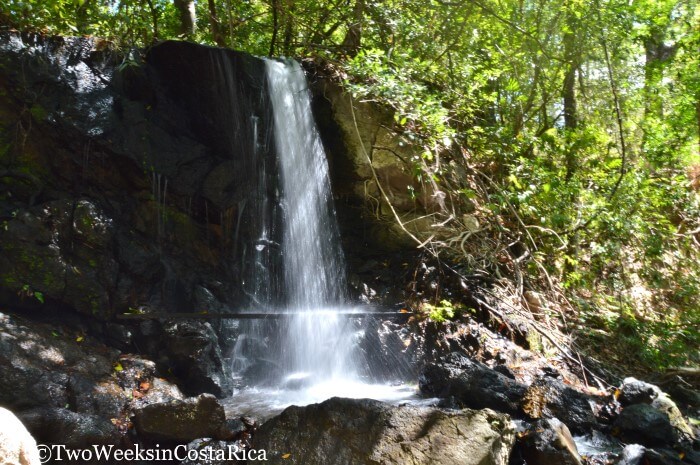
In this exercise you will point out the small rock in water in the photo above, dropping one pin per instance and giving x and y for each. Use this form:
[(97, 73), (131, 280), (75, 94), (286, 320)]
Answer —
[(549, 442), (297, 382), (633, 391), (643, 424)]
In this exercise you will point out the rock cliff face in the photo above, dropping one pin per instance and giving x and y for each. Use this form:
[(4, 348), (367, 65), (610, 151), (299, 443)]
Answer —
[(126, 180), (366, 154)]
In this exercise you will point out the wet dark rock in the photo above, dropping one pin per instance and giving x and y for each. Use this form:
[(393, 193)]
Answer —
[(607, 409), (551, 398), (236, 426), (342, 431), (159, 391), (418, 343), (548, 442), (644, 424), (104, 398), (118, 336), (62, 426), (633, 391), (135, 189), (40, 366), (472, 384), (134, 370), (391, 349), (181, 420), (61, 249), (73, 389), (504, 370), (195, 355)]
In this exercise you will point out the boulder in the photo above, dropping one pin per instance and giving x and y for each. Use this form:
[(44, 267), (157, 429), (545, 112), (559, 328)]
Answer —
[(471, 383), (342, 431), (632, 391), (551, 398), (181, 420), (646, 425), (549, 442), (17, 446), (159, 391)]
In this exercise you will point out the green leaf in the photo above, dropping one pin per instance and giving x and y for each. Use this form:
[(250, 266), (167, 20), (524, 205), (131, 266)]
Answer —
[(514, 180)]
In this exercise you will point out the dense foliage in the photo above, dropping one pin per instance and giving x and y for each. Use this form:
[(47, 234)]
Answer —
[(563, 136)]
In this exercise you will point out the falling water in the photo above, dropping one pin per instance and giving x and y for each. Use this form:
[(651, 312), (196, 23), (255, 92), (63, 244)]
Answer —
[(318, 342), (312, 354)]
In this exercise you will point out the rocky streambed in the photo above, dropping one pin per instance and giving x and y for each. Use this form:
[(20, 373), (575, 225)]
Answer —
[(502, 405)]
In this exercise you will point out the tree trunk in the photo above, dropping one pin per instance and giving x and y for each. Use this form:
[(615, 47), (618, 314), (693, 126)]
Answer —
[(652, 74), (697, 116), (186, 12), (214, 25), (656, 54), (81, 17), (288, 27), (275, 27), (154, 19), (572, 58), (353, 38)]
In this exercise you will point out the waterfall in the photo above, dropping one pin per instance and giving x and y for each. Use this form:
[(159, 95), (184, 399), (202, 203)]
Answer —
[(313, 260), (312, 353), (313, 344), (318, 343)]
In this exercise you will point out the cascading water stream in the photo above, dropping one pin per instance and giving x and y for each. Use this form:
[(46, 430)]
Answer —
[(318, 344), (312, 354)]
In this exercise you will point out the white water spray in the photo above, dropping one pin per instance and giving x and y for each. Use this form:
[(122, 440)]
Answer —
[(318, 343)]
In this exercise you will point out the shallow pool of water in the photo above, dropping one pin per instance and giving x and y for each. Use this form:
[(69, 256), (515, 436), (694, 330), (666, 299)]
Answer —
[(265, 402)]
